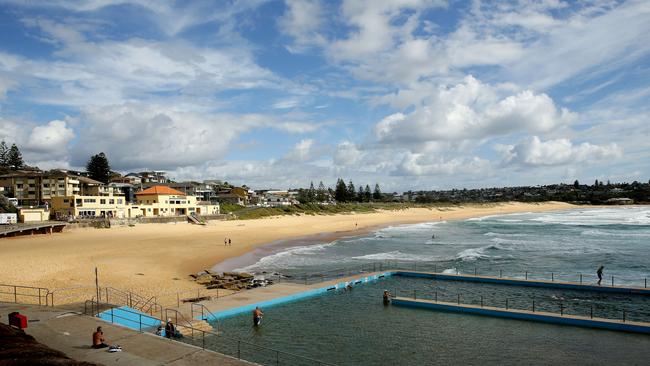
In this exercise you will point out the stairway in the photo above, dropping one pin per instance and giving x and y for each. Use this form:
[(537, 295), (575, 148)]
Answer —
[(198, 326)]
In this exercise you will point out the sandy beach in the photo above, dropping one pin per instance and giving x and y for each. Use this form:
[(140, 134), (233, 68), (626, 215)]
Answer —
[(155, 259)]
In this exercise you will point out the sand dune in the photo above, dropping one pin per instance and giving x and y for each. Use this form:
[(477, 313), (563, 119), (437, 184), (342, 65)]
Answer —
[(155, 259)]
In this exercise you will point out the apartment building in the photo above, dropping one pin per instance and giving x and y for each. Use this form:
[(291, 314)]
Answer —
[(166, 201), (33, 188)]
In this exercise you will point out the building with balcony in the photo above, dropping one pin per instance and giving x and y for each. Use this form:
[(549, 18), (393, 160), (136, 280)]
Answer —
[(33, 188), (166, 201)]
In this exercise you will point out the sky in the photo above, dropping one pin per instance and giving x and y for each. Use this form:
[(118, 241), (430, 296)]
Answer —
[(410, 94)]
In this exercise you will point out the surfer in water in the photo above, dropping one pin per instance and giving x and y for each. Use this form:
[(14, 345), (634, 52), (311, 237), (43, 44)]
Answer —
[(257, 316)]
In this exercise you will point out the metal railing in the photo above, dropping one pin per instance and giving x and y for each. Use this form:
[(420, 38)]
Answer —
[(444, 268), (239, 348), (204, 311), (586, 308), (26, 295)]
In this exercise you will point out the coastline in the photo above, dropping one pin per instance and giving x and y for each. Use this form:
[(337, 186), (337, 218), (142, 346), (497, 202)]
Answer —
[(155, 259)]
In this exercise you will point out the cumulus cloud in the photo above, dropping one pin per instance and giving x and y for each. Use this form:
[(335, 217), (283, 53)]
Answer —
[(472, 110), (136, 135), (302, 21), (346, 153), (52, 138), (535, 152), (423, 164), (302, 151)]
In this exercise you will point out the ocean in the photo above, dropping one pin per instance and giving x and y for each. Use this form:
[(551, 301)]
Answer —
[(563, 244)]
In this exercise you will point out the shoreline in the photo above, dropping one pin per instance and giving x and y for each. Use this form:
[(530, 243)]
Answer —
[(155, 259)]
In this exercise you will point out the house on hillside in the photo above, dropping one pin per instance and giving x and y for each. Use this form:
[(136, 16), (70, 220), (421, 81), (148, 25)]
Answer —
[(166, 201)]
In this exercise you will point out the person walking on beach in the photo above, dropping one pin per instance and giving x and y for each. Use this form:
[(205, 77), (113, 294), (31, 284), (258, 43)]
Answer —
[(225, 241), (599, 272), (229, 242), (257, 316)]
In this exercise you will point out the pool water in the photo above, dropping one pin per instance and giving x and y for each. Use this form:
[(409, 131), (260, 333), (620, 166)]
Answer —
[(355, 328)]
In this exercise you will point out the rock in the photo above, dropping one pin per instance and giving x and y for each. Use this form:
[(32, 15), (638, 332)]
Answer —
[(245, 275), (230, 274), (204, 279)]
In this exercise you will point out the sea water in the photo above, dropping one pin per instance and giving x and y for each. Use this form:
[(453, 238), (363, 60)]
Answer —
[(563, 244), (355, 328)]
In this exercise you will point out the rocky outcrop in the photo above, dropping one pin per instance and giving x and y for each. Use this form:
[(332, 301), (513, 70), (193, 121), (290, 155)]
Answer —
[(235, 281)]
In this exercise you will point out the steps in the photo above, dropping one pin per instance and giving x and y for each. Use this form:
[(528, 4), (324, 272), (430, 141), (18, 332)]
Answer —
[(198, 326)]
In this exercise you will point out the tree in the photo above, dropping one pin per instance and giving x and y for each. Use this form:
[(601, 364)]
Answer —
[(576, 184), (98, 168), (367, 195), (596, 183), (340, 192), (4, 155), (15, 158), (360, 194), (352, 194), (321, 192), (376, 195), (311, 193)]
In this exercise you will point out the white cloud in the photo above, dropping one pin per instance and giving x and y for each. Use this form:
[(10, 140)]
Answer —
[(302, 21), (302, 151), (52, 138), (347, 153), (535, 152), (423, 164), (472, 110)]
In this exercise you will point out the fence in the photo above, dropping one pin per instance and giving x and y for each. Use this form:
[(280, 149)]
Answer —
[(207, 340), (26, 295), (578, 307)]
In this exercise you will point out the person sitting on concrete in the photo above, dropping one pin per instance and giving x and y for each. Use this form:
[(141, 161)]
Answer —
[(98, 339), (170, 329), (257, 316)]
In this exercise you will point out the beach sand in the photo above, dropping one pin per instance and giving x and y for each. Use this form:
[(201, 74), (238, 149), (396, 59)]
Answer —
[(156, 259)]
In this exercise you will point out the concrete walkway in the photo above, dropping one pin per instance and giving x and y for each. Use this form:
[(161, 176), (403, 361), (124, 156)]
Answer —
[(71, 333)]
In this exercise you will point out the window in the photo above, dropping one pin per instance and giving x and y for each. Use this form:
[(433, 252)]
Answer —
[(61, 185), (66, 201), (119, 201), (102, 201), (19, 186), (32, 185), (78, 201), (46, 185), (111, 201), (89, 200), (149, 209)]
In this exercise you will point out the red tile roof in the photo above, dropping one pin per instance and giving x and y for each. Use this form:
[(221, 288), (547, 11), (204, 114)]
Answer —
[(160, 190)]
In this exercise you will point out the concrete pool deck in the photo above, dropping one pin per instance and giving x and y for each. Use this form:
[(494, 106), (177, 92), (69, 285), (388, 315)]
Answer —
[(71, 333)]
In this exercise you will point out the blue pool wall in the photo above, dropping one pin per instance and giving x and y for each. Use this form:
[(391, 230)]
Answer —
[(296, 297), (527, 283), (563, 320), (130, 318)]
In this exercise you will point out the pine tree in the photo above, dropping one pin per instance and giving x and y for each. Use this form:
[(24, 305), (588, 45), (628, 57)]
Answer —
[(352, 194), (4, 155), (340, 192), (320, 192), (98, 168), (367, 195), (376, 195), (15, 158), (360, 194), (576, 184), (311, 193)]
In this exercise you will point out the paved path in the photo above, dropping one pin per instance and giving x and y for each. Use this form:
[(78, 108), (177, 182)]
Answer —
[(71, 334)]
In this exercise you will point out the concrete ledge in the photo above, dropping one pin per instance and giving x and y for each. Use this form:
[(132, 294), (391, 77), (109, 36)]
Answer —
[(529, 283), (544, 317), (297, 296)]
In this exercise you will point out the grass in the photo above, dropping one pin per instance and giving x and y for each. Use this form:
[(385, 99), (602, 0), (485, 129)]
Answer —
[(315, 209), (229, 207)]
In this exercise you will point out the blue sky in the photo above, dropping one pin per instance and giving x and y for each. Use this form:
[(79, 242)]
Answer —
[(413, 94)]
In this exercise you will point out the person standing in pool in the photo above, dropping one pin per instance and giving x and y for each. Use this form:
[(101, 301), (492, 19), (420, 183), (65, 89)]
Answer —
[(386, 297), (599, 272), (257, 316)]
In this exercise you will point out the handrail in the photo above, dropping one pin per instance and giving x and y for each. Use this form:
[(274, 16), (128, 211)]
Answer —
[(240, 341), (561, 304), (45, 296), (203, 310)]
